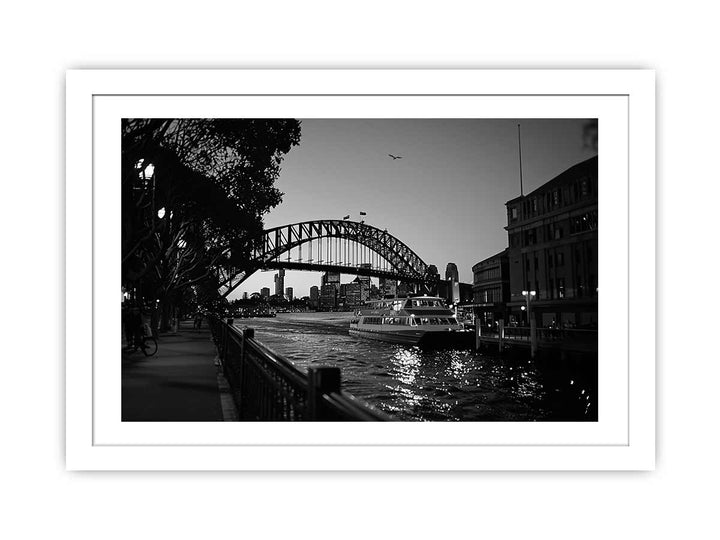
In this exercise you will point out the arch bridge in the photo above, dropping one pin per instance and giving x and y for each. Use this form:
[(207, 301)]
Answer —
[(347, 247)]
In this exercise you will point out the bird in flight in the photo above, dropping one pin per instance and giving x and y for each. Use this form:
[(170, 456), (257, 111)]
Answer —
[(395, 157)]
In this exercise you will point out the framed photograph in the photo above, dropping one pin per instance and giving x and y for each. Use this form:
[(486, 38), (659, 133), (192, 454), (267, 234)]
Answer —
[(360, 270)]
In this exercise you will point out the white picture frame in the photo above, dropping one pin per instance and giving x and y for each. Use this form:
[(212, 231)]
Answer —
[(622, 439)]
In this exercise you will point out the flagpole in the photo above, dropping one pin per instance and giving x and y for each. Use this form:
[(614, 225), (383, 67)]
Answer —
[(520, 156)]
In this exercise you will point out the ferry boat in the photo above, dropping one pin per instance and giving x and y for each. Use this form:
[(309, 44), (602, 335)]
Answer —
[(418, 320)]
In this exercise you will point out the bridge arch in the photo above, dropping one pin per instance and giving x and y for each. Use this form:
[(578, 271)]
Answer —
[(400, 261)]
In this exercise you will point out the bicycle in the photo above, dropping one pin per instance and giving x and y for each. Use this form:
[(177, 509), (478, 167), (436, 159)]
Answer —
[(146, 342), (148, 345)]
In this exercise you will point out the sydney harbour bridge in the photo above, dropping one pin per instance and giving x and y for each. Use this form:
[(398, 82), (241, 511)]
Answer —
[(346, 247)]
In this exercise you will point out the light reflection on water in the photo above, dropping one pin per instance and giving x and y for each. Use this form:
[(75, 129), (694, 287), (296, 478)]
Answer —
[(447, 384)]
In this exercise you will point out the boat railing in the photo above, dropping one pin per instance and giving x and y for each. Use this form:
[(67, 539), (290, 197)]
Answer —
[(267, 387)]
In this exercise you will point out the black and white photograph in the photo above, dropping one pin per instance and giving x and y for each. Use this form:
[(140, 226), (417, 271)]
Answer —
[(309, 269), (359, 269)]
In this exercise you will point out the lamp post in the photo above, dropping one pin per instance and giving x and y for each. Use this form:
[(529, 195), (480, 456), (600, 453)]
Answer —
[(529, 297)]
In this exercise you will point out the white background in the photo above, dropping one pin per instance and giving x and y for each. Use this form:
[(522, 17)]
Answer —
[(41, 499)]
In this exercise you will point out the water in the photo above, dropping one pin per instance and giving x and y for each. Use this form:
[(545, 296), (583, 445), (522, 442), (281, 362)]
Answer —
[(451, 384)]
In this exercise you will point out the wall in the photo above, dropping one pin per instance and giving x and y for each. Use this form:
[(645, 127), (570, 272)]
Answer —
[(678, 500)]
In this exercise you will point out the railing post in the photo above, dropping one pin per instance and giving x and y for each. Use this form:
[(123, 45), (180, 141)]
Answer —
[(247, 333), (226, 338), (321, 380)]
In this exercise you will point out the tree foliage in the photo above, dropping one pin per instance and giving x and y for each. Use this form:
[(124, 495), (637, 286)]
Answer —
[(193, 190)]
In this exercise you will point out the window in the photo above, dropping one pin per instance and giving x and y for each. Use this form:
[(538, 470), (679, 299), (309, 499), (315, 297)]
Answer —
[(561, 287), (556, 197), (550, 260), (558, 233), (560, 259), (585, 222), (530, 237), (584, 187), (535, 262), (513, 213), (533, 205)]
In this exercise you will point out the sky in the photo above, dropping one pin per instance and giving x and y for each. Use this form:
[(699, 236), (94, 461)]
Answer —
[(445, 198)]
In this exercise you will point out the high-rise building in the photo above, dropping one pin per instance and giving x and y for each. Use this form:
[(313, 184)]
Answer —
[(353, 293), (245, 295), (451, 272), (331, 277), (329, 290), (280, 283), (314, 297), (364, 282), (289, 294), (265, 292), (329, 296)]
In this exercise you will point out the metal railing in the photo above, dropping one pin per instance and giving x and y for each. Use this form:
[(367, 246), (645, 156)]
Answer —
[(267, 387), (564, 336)]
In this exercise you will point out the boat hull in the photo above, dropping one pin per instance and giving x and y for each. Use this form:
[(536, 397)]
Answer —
[(419, 338)]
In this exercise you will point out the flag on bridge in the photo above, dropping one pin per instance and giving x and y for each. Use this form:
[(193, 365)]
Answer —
[(346, 217), (363, 214)]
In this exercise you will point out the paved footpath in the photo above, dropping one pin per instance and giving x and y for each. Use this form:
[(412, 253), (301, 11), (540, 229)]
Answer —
[(178, 384)]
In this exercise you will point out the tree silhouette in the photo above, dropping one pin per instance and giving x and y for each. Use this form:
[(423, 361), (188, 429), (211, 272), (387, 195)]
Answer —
[(193, 190)]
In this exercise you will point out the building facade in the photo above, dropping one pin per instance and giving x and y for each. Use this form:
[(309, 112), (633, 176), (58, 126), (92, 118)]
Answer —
[(553, 249), (329, 296), (451, 272), (491, 287), (329, 290), (280, 283), (351, 293), (364, 283), (265, 292), (314, 297), (289, 294)]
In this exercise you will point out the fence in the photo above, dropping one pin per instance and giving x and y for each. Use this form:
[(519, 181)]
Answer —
[(267, 387), (569, 339)]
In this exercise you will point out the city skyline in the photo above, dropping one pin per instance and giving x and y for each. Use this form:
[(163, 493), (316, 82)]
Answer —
[(445, 197)]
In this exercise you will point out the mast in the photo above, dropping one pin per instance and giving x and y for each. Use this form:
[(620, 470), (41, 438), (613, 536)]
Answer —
[(520, 157)]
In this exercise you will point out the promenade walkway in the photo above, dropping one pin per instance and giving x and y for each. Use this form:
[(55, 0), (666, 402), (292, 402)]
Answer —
[(178, 384)]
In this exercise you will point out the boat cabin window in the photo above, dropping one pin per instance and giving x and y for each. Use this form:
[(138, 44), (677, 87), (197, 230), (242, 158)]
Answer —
[(395, 320), (426, 303)]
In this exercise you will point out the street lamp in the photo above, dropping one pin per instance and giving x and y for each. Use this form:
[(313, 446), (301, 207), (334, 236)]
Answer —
[(529, 297)]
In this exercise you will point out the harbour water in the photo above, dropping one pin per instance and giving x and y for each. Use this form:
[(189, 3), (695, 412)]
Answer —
[(430, 385)]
